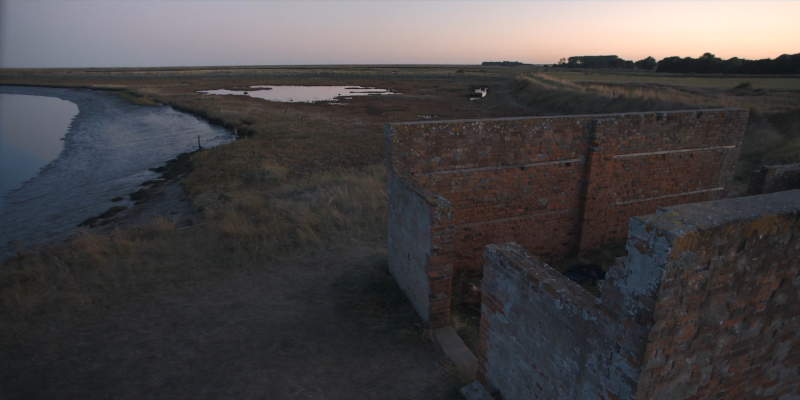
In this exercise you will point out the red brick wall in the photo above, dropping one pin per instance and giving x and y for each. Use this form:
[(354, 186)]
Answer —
[(726, 316), (427, 147), (645, 161), (511, 179), (527, 180)]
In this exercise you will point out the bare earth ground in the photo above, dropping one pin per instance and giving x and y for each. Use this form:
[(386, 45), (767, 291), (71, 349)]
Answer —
[(279, 289), (333, 327)]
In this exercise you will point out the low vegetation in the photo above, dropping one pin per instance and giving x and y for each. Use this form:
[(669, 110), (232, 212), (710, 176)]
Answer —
[(256, 221), (137, 99), (308, 178)]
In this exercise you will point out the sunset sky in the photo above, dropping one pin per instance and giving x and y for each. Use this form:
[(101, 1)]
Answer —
[(77, 33)]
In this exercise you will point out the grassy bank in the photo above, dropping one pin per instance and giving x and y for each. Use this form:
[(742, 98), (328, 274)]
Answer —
[(242, 228), (712, 81)]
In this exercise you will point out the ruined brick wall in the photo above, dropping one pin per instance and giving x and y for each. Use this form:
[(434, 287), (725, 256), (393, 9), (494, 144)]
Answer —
[(775, 178), (727, 317), (544, 337), (555, 185), (704, 305), (651, 160), (514, 179), (500, 176)]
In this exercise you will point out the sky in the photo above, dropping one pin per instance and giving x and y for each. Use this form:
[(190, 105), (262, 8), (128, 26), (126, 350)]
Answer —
[(140, 33)]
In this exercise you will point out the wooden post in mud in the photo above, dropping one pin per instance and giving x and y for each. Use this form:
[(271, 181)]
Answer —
[(199, 146)]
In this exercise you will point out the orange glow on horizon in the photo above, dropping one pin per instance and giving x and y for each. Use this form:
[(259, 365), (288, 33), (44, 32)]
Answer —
[(210, 32)]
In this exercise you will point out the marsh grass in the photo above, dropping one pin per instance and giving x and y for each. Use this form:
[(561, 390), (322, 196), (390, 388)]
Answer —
[(246, 226), (136, 98), (558, 96), (708, 81), (762, 94), (646, 96)]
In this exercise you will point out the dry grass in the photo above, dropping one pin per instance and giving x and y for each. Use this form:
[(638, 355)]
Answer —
[(714, 81), (763, 94), (313, 211), (135, 98), (245, 227), (555, 96)]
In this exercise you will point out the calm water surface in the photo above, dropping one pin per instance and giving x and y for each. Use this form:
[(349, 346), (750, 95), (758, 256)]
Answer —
[(302, 94), (28, 142), (50, 186)]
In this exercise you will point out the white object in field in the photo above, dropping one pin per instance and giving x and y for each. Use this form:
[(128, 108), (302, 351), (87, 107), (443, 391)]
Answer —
[(479, 93)]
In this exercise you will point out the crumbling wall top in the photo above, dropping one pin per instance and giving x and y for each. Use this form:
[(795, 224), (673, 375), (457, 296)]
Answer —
[(678, 220)]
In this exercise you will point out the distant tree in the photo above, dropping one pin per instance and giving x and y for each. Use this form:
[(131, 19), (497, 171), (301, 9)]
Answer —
[(732, 65), (670, 64), (709, 63), (502, 63), (648, 63)]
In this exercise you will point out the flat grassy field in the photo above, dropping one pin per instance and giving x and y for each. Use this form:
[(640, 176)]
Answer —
[(279, 283), (713, 81)]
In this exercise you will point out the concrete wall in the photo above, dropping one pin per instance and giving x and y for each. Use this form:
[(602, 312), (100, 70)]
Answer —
[(705, 305), (555, 185), (409, 241)]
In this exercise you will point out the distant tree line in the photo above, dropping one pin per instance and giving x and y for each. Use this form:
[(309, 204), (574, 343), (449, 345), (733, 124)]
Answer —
[(598, 62), (502, 63), (707, 63)]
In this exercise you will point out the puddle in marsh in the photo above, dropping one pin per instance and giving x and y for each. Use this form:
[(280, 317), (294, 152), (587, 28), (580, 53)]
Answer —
[(303, 94)]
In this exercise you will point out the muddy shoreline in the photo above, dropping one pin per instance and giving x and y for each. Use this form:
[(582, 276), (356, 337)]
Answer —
[(159, 197), (163, 196), (99, 161)]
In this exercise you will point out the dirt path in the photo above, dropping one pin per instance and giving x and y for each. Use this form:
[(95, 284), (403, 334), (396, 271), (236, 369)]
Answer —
[(336, 328)]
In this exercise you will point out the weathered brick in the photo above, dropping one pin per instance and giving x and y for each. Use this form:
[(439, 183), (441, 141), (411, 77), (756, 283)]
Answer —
[(542, 336), (555, 185)]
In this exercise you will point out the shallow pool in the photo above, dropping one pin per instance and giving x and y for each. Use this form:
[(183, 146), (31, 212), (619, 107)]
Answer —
[(302, 94)]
